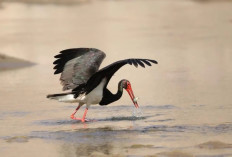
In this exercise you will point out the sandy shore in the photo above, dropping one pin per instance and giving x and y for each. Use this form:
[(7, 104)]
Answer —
[(10, 63)]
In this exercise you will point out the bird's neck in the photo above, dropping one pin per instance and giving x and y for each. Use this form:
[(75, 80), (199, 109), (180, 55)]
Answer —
[(118, 95), (109, 97)]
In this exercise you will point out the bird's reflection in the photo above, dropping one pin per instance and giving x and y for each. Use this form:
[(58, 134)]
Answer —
[(80, 126)]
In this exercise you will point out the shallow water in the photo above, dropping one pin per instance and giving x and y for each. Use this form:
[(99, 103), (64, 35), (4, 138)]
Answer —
[(185, 100)]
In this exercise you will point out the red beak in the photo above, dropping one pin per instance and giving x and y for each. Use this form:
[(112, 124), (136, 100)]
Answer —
[(130, 92)]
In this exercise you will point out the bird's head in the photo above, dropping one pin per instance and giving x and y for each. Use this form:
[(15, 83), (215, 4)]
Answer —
[(127, 86)]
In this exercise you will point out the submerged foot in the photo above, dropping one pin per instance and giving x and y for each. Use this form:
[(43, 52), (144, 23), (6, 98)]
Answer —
[(80, 119)]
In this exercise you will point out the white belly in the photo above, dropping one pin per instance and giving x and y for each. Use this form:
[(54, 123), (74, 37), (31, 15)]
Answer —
[(94, 97)]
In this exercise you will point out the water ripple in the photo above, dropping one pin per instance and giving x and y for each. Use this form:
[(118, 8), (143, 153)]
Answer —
[(218, 129)]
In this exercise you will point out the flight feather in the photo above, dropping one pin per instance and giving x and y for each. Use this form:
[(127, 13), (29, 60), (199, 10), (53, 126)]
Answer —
[(77, 65)]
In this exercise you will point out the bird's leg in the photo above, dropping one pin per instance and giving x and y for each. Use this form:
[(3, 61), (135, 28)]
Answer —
[(72, 115), (83, 118)]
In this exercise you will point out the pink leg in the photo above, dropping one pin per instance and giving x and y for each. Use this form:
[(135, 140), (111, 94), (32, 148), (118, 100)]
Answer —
[(83, 118), (72, 115)]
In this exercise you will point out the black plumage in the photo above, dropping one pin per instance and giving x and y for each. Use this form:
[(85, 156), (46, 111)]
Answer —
[(79, 68), (108, 72)]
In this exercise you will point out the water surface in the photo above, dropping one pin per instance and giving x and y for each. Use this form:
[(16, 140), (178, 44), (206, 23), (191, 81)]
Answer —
[(185, 99)]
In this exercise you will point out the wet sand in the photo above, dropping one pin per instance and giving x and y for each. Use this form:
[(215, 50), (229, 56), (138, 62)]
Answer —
[(185, 99), (11, 63)]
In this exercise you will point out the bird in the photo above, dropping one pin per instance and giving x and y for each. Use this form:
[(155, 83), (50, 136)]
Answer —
[(79, 69)]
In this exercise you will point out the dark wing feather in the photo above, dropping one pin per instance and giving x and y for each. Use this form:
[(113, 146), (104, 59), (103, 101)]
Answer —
[(108, 71), (140, 63), (77, 65)]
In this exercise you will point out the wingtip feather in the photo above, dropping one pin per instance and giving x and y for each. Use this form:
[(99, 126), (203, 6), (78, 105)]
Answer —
[(153, 61), (140, 63)]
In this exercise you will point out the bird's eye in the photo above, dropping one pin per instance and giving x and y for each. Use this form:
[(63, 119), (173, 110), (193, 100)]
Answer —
[(125, 85)]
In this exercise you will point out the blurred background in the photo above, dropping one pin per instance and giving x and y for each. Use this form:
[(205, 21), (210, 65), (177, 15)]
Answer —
[(185, 99)]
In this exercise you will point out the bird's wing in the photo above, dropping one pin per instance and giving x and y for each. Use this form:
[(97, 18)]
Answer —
[(109, 71), (77, 65)]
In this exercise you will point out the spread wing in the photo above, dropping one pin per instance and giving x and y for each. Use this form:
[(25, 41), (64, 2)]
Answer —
[(109, 71), (77, 65)]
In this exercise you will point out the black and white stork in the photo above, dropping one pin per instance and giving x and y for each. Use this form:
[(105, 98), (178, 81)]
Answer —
[(88, 85)]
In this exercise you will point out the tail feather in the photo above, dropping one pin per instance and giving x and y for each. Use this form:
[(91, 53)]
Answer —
[(53, 96), (62, 97)]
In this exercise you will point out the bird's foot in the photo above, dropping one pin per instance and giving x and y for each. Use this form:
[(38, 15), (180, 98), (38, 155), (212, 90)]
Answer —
[(74, 118), (80, 119)]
